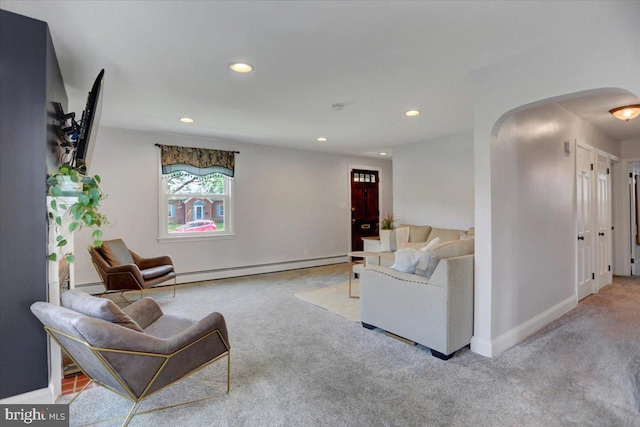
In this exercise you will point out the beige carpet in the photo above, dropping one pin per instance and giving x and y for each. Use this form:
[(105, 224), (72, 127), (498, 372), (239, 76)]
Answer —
[(335, 299)]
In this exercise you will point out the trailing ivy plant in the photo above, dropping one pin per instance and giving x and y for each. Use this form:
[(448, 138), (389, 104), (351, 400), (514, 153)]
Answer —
[(84, 210)]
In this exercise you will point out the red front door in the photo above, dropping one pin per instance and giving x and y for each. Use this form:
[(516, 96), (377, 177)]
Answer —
[(364, 206)]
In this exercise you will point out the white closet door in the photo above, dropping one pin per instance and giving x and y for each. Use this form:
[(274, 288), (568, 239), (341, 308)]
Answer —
[(603, 221), (584, 194)]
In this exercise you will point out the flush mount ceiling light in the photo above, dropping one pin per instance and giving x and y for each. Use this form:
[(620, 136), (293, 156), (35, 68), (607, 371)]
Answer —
[(186, 120), (383, 154), (241, 67), (627, 112), (412, 113), (322, 139)]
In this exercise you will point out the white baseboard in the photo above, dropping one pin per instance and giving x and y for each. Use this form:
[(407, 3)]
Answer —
[(522, 331), (481, 346), (225, 273), (43, 396)]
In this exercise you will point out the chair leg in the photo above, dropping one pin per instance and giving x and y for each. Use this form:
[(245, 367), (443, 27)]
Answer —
[(130, 414), (80, 392), (175, 282), (228, 370), (123, 297)]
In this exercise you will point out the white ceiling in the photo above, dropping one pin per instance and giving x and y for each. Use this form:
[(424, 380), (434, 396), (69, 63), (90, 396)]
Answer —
[(167, 59)]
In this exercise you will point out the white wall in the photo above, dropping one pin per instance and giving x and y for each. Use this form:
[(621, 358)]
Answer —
[(630, 148), (286, 201), (533, 205), (433, 182), (576, 63)]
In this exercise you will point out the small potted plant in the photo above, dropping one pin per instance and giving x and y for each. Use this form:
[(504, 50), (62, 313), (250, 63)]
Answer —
[(387, 233), (387, 222), (78, 195)]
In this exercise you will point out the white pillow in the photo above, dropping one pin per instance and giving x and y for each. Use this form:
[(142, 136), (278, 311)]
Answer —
[(430, 258), (432, 244), (406, 260), (402, 236), (385, 240), (421, 246)]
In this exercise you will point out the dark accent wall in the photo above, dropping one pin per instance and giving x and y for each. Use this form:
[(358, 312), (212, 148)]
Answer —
[(30, 81)]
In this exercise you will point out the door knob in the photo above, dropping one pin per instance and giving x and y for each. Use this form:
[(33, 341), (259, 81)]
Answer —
[(580, 237)]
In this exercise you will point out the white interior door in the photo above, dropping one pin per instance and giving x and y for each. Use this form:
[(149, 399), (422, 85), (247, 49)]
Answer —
[(584, 194), (633, 203), (604, 276)]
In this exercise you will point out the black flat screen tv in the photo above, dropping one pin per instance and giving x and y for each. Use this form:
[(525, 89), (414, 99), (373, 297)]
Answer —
[(89, 125)]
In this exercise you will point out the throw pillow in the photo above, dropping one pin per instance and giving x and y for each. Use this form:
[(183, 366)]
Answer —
[(406, 260), (385, 240), (99, 308), (421, 246), (402, 236), (431, 257)]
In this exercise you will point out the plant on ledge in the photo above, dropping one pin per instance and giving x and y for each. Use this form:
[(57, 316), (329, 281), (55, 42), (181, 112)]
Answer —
[(81, 203), (387, 222)]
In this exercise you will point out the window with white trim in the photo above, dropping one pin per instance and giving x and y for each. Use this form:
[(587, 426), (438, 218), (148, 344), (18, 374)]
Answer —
[(199, 199)]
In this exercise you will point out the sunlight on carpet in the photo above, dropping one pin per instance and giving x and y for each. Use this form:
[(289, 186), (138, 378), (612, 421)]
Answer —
[(335, 299)]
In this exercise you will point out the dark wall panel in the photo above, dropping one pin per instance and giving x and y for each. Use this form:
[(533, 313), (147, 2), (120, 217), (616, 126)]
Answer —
[(24, 69)]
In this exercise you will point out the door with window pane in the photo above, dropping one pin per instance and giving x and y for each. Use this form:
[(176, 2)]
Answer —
[(364, 206)]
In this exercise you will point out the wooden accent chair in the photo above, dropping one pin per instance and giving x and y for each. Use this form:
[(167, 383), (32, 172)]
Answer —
[(136, 351), (122, 270)]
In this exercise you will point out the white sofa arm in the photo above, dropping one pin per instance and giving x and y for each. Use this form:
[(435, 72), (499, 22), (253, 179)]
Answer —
[(435, 312), (396, 275)]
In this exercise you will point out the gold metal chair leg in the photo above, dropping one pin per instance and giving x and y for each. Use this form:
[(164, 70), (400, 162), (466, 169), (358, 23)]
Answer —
[(131, 414), (228, 371), (123, 297), (80, 392)]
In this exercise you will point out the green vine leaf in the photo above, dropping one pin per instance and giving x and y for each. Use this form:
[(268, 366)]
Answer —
[(83, 210)]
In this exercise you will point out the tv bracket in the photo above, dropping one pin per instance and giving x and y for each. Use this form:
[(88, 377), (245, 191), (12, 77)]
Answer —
[(68, 131)]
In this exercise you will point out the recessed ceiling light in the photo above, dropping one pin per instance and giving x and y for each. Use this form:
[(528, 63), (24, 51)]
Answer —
[(411, 113), (322, 139), (186, 120), (383, 154), (241, 67)]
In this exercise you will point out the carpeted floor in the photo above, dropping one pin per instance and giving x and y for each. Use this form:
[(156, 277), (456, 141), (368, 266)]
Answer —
[(295, 364)]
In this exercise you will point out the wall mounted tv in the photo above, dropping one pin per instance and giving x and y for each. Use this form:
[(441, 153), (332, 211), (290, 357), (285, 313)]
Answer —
[(89, 124), (77, 148)]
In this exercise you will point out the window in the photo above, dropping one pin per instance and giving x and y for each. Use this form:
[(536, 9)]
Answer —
[(197, 193), (193, 198)]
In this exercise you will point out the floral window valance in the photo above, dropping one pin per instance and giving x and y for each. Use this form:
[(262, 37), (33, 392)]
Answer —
[(196, 161)]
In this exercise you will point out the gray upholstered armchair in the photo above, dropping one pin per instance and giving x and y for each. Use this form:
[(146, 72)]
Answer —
[(122, 270), (137, 351)]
